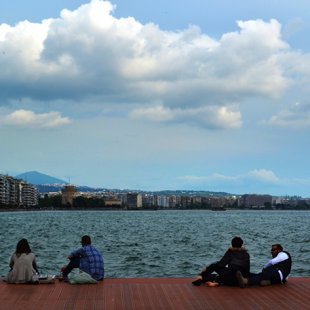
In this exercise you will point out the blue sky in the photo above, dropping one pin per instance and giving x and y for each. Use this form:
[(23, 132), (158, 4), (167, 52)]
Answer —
[(196, 95)]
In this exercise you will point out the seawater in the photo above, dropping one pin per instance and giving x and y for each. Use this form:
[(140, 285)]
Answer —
[(156, 243)]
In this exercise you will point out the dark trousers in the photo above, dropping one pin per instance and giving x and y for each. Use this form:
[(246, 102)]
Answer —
[(225, 275), (269, 274), (74, 263)]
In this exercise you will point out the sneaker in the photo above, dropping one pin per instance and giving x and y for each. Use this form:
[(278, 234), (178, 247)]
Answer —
[(197, 282), (243, 282), (61, 278), (265, 282)]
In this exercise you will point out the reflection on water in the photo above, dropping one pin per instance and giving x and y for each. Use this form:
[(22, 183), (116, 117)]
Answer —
[(156, 243)]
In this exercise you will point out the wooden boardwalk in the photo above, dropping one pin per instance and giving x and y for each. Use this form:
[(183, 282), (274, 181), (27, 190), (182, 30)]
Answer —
[(153, 293)]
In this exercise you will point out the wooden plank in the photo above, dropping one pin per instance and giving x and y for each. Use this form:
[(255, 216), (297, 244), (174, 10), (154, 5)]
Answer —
[(157, 294)]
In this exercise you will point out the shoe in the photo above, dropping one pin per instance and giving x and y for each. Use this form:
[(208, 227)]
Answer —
[(265, 282), (61, 278), (243, 282), (197, 282)]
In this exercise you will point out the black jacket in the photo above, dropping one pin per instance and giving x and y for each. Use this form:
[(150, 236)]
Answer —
[(236, 259)]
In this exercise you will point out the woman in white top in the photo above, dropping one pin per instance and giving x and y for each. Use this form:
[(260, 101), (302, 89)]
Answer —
[(23, 264)]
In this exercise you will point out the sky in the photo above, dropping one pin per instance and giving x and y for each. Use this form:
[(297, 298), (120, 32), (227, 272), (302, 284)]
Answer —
[(158, 95)]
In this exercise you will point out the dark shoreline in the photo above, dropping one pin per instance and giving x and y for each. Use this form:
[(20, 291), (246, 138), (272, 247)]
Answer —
[(138, 209)]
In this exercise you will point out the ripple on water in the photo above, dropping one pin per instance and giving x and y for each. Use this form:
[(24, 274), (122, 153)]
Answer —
[(154, 244)]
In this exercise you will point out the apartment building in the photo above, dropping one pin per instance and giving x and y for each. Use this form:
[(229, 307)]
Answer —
[(134, 200), (29, 195), (4, 190), (15, 192), (163, 201), (253, 200)]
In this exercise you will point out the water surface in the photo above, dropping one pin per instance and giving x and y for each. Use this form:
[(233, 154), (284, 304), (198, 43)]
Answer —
[(156, 243)]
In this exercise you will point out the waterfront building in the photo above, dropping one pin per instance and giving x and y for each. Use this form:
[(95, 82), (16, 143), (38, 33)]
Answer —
[(185, 202), (112, 202), (67, 195), (148, 200), (29, 195), (133, 200), (253, 200), (172, 201), (163, 201), (4, 189), (15, 192), (196, 200)]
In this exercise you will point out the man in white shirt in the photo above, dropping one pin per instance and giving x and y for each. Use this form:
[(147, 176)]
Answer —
[(276, 270)]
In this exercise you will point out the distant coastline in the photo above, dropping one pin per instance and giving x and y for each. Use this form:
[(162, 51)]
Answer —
[(143, 209)]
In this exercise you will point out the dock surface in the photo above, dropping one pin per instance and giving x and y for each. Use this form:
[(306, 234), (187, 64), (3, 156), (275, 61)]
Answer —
[(153, 293)]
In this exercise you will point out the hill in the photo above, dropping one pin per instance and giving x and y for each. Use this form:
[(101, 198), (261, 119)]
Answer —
[(38, 178), (46, 183)]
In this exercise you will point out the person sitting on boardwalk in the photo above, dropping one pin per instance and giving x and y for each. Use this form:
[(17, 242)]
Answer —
[(276, 270), (235, 259), (23, 265), (87, 258)]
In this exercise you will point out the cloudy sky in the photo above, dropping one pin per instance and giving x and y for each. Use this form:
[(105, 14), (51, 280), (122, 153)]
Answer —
[(153, 95)]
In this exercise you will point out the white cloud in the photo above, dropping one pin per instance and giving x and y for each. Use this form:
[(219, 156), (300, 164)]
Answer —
[(207, 179), (258, 175), (297, 116), (261, 181), (212, 117), (88, 54), (263, 175), (157, 113), (26, 118)]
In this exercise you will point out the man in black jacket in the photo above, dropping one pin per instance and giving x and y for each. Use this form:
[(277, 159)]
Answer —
[(235, 259), (275, 271)]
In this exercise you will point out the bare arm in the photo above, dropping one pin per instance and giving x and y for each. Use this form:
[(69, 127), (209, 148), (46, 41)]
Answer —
[(11, 264)]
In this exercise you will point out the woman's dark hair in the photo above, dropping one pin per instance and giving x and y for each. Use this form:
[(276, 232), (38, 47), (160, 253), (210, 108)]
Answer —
[(237, 242), (23, 247)]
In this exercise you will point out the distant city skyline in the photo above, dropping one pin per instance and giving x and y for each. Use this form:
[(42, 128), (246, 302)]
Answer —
[(46, 183), (177, 95)]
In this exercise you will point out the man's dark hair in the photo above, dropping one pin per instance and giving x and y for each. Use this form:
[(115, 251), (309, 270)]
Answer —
[(278, 246), (237, 242), (86, 240)]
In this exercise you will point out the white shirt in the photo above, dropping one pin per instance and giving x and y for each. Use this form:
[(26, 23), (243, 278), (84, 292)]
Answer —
[(279, 258)]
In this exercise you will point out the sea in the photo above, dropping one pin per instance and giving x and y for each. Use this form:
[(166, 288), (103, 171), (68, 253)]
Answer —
[(165, 243)]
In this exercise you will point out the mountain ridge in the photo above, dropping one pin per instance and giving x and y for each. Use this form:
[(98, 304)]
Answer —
[(38, 178), (46, 183)]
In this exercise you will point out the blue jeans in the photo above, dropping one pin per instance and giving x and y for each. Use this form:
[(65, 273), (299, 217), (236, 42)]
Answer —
[(74, 263)]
